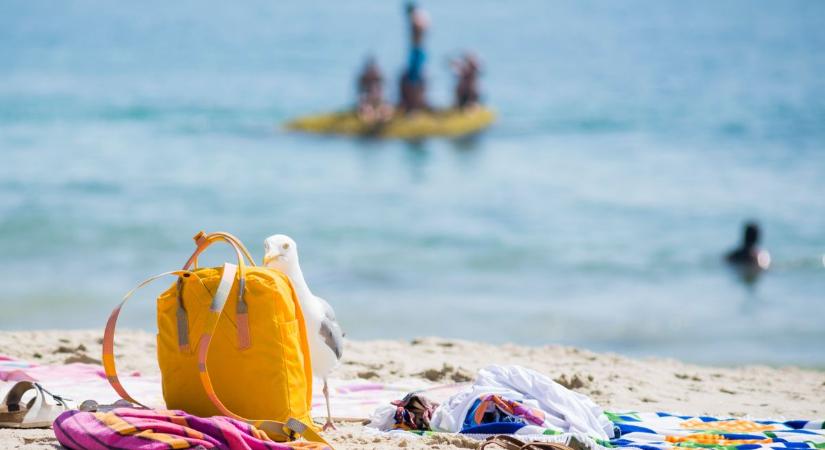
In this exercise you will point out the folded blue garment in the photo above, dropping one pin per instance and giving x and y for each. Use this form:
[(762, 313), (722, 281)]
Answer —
[(494, 428)]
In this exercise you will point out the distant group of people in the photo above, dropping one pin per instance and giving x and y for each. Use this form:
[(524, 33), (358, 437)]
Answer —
[(412, 85)]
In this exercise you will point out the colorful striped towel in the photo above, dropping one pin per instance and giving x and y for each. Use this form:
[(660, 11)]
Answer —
[(663, 431), (147, 429)]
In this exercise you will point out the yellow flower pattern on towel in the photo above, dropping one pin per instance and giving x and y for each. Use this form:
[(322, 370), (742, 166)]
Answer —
[(715, 439), (733, 426)]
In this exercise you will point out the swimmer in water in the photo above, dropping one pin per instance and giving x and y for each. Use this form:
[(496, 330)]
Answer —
[(749, 258)]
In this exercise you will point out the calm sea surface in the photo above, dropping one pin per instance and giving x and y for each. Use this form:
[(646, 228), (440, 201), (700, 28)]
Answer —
[(634, 139)]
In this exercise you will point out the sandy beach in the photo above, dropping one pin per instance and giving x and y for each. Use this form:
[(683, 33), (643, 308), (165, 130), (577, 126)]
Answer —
[(615, 382)]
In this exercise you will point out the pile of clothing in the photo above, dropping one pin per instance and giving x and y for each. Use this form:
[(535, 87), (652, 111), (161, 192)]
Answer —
[(502, 400)]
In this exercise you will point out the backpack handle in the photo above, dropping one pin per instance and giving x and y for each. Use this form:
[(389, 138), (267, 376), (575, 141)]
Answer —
[(203, 241)]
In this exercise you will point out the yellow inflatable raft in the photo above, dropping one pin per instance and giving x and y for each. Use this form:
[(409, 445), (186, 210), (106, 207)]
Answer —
[(450, 122)]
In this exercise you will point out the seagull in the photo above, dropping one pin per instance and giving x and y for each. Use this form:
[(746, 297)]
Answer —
[(326, 340)]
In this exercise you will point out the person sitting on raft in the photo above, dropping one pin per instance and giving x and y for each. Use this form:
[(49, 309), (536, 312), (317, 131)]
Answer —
[(467, 69), (371, 106), (412, 85)]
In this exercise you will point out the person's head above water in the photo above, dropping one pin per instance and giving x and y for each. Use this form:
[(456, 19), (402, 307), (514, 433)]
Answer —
[(751, 235), (749, 257)]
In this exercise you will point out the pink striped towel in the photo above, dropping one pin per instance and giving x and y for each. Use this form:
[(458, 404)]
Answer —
[(148, 429)]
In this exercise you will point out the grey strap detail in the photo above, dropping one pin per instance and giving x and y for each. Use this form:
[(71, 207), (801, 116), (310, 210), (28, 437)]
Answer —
[(183, 328), (242, 307), (183, 322)]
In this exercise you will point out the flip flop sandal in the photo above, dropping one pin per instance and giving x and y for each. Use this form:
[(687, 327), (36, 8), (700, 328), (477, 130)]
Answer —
[(35, 413), (508, 442), (504, 441), (545, 446)]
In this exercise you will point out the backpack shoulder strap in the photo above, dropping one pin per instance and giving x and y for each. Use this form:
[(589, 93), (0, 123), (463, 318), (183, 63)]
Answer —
[(109, 337), (274, 429)]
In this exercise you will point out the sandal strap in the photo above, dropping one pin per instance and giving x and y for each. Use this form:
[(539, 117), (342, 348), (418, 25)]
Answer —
[(15, 394), (545, 446), (509, 442), (60, 400), (504, 441)]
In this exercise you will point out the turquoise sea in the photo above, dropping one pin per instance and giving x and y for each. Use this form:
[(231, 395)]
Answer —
[(634, 140)]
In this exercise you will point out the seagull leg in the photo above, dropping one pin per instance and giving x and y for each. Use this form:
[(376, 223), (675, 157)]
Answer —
[(329, 425)]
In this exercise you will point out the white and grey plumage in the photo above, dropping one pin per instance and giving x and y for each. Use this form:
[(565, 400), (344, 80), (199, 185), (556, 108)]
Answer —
[(326, 340)]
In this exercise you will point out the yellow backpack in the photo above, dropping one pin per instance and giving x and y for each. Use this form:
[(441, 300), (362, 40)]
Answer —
[(246, 322)]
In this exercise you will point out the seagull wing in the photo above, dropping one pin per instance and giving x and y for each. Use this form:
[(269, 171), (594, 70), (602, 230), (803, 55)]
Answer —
[(331, 330)]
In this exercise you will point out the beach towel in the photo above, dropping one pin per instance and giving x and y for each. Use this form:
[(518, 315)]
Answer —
[(659, 431), (143, 429), (79, 382)]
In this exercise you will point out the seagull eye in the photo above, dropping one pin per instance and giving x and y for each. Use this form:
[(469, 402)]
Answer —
[(285, 246)]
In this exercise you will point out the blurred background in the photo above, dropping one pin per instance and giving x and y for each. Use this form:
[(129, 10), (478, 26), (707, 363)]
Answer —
[(633, 141)]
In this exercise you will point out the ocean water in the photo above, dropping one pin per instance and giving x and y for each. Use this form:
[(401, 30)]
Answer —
[(634, 140)]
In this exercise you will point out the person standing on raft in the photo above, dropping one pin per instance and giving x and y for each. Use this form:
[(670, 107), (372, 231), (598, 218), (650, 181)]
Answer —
[(412, 85)]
